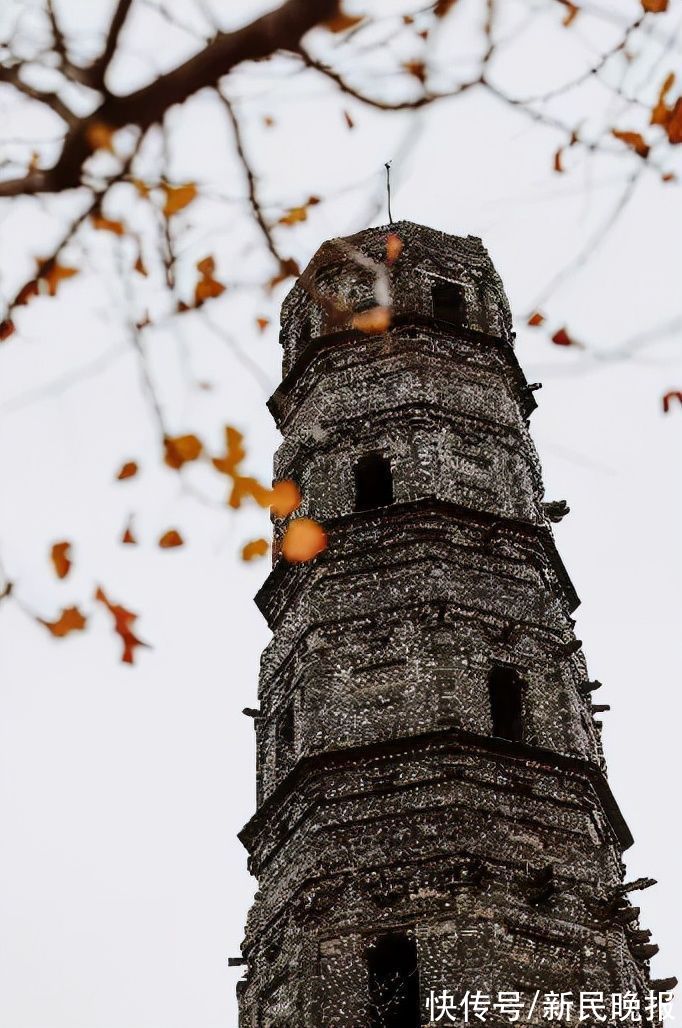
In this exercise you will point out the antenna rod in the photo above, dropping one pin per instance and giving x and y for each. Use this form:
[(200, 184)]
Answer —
[(387, 165)]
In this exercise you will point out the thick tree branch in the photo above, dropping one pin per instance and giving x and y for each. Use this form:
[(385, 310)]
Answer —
[(281, 29)]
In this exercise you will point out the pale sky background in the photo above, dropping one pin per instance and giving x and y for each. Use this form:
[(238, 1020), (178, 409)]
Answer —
[(123, 887)]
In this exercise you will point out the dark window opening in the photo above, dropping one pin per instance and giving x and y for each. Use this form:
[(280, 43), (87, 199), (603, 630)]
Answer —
[(506, 703), (393, 982), (449, 303), (373, 482), (285, 734), (305, 332)]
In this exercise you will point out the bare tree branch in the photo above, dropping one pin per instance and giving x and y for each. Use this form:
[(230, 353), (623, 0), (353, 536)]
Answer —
[(251, 181), (281, 29), (381, 105)]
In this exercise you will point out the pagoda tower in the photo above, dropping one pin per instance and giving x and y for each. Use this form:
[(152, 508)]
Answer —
[(433, 814)]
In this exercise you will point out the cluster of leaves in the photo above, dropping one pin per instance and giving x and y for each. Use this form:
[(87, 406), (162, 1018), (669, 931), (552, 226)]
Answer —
[(303, 537), (72, 619)]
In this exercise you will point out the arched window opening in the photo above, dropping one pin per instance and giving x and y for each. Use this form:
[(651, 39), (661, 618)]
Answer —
[(373, 482), (393, 982), (449, 302), (506, 703)]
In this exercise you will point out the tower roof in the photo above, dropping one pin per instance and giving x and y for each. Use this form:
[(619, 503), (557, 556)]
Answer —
[(425, 249)]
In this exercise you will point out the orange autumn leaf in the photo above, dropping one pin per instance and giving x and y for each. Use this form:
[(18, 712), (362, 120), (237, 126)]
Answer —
[(178, 197), (70, 620), (288, 268), (123, 626), (256, 548), (234, 452), (262, 323), (140, 266), (60, 555), (562, 338), (634, 140), (660, 115), (208, 287), (294, 215), (572, 13), (107, 224), (378, 319), (6, 329), (181, 449), (127, 470), (674, 394), (674, 126), (303, 540), (655, 6), (128, 537), (417, 69), (341, 22), (536, 319), (27, 292), (51, 276), (142, 188), (285, 498), (100, 136), (297, 214), (171, 539), (245, 487), (394, 247), (443, 7)]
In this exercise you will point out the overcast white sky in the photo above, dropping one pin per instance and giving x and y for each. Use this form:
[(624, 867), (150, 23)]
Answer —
[(123, 888)]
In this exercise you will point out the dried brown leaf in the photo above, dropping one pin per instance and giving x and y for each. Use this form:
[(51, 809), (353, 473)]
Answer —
[(100, 136), (107, 224), (255, 548), (70, 620), (341, 22), (674, 394), (443, 7), (60, 555), (7, 328), (181, 449), (127, 470), (417, 69), (634, 140), (171, 539), (208, 287), (123, 626), (178, 197)]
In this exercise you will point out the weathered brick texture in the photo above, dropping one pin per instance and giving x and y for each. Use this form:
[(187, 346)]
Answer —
[(390, 802)]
